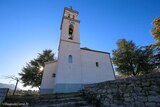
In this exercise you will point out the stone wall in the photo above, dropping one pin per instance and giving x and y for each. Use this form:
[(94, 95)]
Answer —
[(142, 91)]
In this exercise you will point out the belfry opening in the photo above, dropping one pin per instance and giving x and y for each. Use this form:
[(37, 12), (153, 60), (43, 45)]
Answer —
[(70, 32)]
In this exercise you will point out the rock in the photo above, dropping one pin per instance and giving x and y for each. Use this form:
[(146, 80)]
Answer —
[(106, 103), (152, 93), (126, 95), (114, 105), (145, 84), (142, 98), (109, 91), (148, 104), (139, 104), (154, 98), (128, 99)]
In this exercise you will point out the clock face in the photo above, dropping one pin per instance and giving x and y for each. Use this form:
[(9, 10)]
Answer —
[(71, 22)]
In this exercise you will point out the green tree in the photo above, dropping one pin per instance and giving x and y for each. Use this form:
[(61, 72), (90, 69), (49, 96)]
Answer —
[(130, 59), (31, 74), (145, 60), (156, 31)]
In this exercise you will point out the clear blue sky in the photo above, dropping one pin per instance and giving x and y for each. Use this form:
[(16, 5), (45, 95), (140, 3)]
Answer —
[(29, 26)]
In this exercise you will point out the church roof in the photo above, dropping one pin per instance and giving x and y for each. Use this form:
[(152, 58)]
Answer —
[(50, 62), (85, 48)]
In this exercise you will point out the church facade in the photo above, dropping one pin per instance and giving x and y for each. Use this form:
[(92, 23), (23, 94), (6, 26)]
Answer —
[(75, 67)]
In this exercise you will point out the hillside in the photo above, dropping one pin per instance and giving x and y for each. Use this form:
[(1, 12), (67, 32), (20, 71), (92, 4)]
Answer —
[(10, 86)]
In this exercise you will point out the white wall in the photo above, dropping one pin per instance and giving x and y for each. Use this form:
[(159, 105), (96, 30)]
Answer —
[(66, 72), (48, 81), (93, 74)]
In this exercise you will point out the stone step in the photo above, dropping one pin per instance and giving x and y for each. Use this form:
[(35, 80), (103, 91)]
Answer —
[(14, 99), (58, 96), (62, 104), (56, 101), (21, 99), (51, 100), (65, 104)]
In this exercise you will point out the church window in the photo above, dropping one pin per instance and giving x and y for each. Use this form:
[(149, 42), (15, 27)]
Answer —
[(54, 75), (68, 15), (70, 59), (97, 64), (73, 16), (70, 32)]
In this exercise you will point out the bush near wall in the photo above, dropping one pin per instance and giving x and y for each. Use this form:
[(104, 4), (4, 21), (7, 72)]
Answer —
[(141, 91)]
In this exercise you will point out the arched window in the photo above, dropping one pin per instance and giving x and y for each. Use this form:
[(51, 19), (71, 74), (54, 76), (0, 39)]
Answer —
[(97, 64), (70, 32), (73, 16), (53, 75), (70, 59)]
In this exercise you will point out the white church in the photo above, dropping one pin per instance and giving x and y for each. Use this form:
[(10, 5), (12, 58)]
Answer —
[(75, 67)]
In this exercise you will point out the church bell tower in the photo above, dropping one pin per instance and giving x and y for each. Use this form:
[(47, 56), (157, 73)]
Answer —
[(68, 73), (70, 26)]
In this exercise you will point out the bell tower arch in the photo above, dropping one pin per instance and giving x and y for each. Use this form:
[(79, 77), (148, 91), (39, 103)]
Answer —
[(70, 32), (70, 26)]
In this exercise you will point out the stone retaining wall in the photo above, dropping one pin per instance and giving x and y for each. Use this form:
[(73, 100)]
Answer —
[(142, 91)]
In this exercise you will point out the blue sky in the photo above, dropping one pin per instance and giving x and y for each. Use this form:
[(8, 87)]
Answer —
[(29, 26)]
